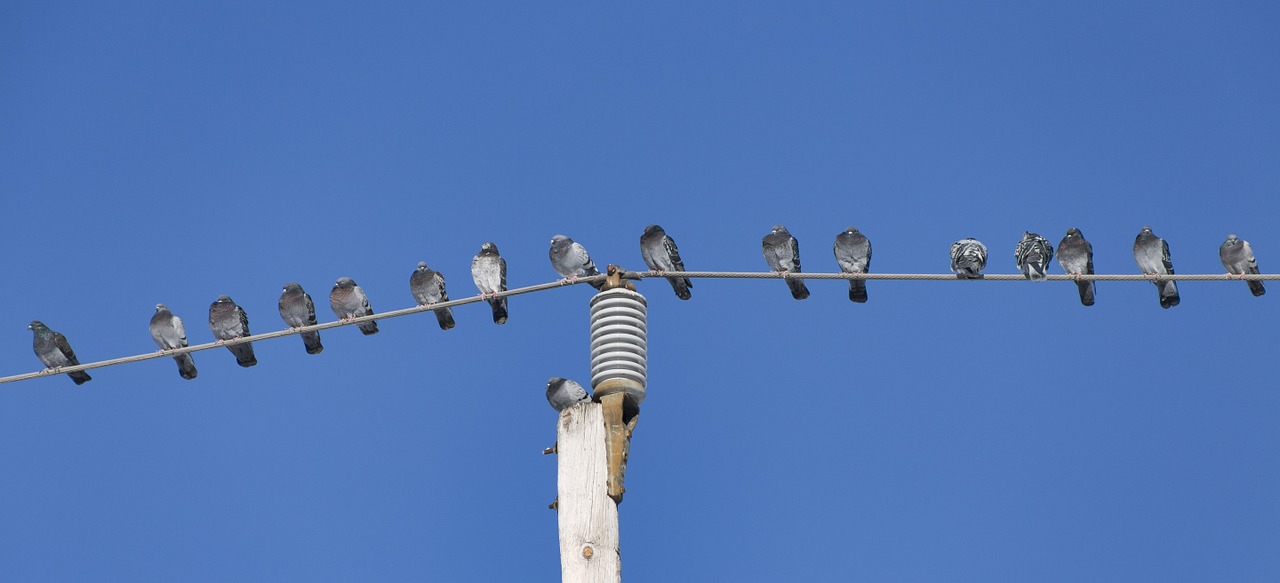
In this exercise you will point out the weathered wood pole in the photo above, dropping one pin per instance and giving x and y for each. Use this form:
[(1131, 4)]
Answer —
[(589, 549)]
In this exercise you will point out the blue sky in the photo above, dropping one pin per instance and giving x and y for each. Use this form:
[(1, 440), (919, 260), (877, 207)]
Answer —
[(159, 152)]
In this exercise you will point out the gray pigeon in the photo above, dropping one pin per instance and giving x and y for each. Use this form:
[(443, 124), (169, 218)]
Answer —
[(571, 261), (1075, 255), (348, 302), (489, 271), (168, 333), (782, 253), (228, 322), (297, 310), (660, 254), (1152, 254), (54, 351), (564, 393), (1033, 254), (853, 253), (427, 287), (968, 258), (1237, 257)]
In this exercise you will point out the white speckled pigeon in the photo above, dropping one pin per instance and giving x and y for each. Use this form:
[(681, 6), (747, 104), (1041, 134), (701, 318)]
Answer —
[(489, 271), (853, 253), (297, 310), (55, 352), (168, 333), (228, 322), (1237, 257), (427, 287), (1152, 254), (571, 261), (782, 253), (968, 258), (1075, 255), (660, 254), (349, 302), (564, 393), (1033, 254)]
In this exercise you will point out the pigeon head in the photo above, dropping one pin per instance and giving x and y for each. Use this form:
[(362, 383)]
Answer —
[(777, 229), (653, 229), (851, 230), (489, 246), (560, 240), (422, 266), (554, 382), (345, 282), (1146, 229), (37, 325), (292, 287), (161, 308), (1073, 232), (223, 299), (1232, 239)]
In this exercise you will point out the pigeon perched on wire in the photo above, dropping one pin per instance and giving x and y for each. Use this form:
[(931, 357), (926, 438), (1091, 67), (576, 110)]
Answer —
[(1237, 257), (1075, 255), (661, 255), (168, 333), (968, 258), (853, 254), (55, 352), (228, 322), (1033, 254), (349, 302), (571, 261), (1152, 254), (297, 310), (563, 393), (782, 254), (489, 271), (427, 287)]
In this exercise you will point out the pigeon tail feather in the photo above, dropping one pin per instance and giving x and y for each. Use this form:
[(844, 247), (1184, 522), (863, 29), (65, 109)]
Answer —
[(445, 317), (311, 340), (1086, 292), (186, 366), (798, 289), (858, 291), (499, 310)]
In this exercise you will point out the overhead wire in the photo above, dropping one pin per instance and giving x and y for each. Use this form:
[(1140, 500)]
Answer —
[(628, 275)]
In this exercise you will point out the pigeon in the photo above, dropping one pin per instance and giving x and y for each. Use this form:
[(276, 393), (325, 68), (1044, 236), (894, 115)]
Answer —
[(1152, 254), (427, 287), (660, 254), (782, 253), (853, 253), (1237, 257), (297, 310), (1075, 255), (571, 261), (228, 322), (489, 271), (564, 393), (168, 333), (1033, 254), (968, 258), (348, 302), (54, 351)]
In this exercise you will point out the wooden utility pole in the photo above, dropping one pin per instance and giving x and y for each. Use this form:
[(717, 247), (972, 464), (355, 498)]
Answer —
[(589, 550)]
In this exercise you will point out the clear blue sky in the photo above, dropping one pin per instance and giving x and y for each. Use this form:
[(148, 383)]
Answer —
[(160, 152)]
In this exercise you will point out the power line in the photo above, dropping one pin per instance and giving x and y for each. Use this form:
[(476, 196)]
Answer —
[(293, 331), (635, 274), (952, 276)]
